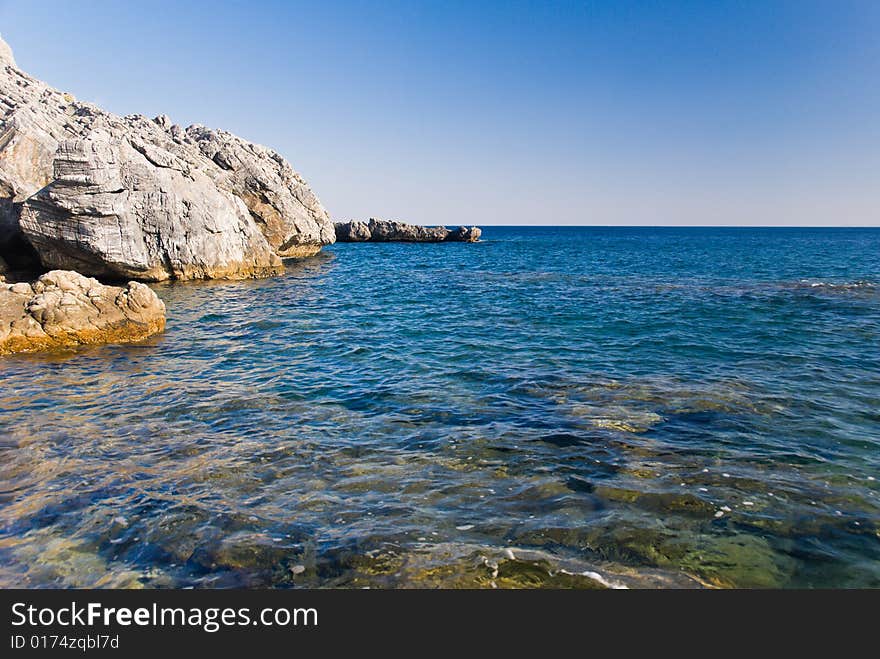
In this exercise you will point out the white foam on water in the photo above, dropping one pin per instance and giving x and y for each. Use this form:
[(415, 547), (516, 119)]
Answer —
[(595, 576)]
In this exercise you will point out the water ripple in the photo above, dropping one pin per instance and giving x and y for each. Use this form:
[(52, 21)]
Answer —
[(560, 408)]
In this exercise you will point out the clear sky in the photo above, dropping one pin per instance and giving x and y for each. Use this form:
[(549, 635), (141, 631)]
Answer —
[(703, 112)]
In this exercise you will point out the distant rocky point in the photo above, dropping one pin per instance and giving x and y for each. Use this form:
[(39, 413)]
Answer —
[(63, 309), (135, 198), (375, 230)]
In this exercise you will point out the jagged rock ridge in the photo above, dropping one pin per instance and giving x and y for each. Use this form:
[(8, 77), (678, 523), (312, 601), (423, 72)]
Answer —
[(376, 230)]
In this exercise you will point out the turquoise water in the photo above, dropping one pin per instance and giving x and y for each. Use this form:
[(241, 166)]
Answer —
[(657, 407)]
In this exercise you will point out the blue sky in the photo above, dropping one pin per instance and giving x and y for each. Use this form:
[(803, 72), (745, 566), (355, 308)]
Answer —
[(506, 112)]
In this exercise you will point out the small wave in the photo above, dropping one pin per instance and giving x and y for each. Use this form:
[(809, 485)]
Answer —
[(860, 284)]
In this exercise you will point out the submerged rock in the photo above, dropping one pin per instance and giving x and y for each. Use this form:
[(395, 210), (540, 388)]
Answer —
[(134, 197), (738, 561), (390, 231), (63, 309), (464, 565)]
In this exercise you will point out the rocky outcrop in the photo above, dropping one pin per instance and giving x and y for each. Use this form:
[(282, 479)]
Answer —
[(63, 309), (286, 210), (118, 196), (390, 231)]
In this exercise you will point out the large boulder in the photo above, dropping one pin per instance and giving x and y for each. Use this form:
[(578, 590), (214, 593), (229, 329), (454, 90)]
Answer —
[(112, 211), (465, 234), (63, 309), (38, 124), (391, 231)]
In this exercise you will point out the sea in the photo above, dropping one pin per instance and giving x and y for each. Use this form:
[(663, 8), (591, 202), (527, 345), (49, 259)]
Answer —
[(551, 407)]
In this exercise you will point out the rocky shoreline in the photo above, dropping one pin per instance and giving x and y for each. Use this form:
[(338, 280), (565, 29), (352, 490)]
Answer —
[(87, 193), (378, 231)]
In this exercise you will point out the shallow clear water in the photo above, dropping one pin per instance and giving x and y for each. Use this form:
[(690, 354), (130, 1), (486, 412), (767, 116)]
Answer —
[(659, 407)]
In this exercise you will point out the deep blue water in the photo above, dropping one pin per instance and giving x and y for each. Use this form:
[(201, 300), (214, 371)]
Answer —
[(655, 406)]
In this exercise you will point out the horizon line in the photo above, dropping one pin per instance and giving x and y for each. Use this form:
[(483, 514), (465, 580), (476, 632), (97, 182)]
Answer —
[(662, 226)]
